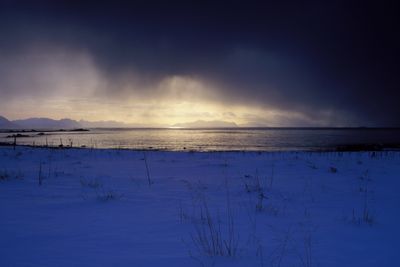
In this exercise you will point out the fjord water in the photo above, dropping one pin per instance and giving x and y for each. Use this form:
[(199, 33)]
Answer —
[(237, 139)]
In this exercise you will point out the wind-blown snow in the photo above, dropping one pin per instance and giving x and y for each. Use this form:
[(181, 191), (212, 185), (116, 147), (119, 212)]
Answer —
[(96, 208)]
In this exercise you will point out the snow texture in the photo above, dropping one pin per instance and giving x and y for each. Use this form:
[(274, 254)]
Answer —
[(93, 207)]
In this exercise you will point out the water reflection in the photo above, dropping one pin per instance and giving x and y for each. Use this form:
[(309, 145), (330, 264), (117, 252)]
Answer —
[(213, 139)]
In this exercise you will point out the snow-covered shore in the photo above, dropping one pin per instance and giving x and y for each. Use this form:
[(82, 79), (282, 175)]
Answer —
[(88, 207)]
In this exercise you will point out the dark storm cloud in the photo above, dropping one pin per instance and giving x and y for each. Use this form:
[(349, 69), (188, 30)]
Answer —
[(311, 57)]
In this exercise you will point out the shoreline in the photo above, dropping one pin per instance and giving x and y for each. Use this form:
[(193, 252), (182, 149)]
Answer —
[(340, 148)]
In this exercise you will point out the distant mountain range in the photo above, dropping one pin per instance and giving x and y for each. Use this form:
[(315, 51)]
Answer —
[(206, 124), (45, 123), (50, 124), (112, 124), (6, 124)]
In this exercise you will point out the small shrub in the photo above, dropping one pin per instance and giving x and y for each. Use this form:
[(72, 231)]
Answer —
[(366, 217), (261, 197), (40, 176), (333, 170), (254, 185), (213, 236), (4, 175), (108, 195)]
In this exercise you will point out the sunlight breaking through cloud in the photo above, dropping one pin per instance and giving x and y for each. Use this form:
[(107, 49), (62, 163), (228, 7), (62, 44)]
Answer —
[(67, 83)]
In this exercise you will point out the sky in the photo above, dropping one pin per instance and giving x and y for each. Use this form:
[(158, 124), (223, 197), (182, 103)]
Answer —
[(255, 63)]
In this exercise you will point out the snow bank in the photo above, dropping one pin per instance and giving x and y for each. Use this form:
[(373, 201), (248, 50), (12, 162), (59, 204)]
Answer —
[(83, 207)]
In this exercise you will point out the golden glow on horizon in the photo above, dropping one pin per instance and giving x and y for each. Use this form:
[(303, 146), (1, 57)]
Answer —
[(62, 85), (152, 113), (55, 82)]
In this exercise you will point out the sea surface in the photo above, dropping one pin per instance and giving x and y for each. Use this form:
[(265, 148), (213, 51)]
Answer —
[(238, 139)]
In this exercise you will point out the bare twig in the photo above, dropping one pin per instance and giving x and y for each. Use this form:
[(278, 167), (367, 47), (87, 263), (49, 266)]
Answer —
[(147, 168)]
